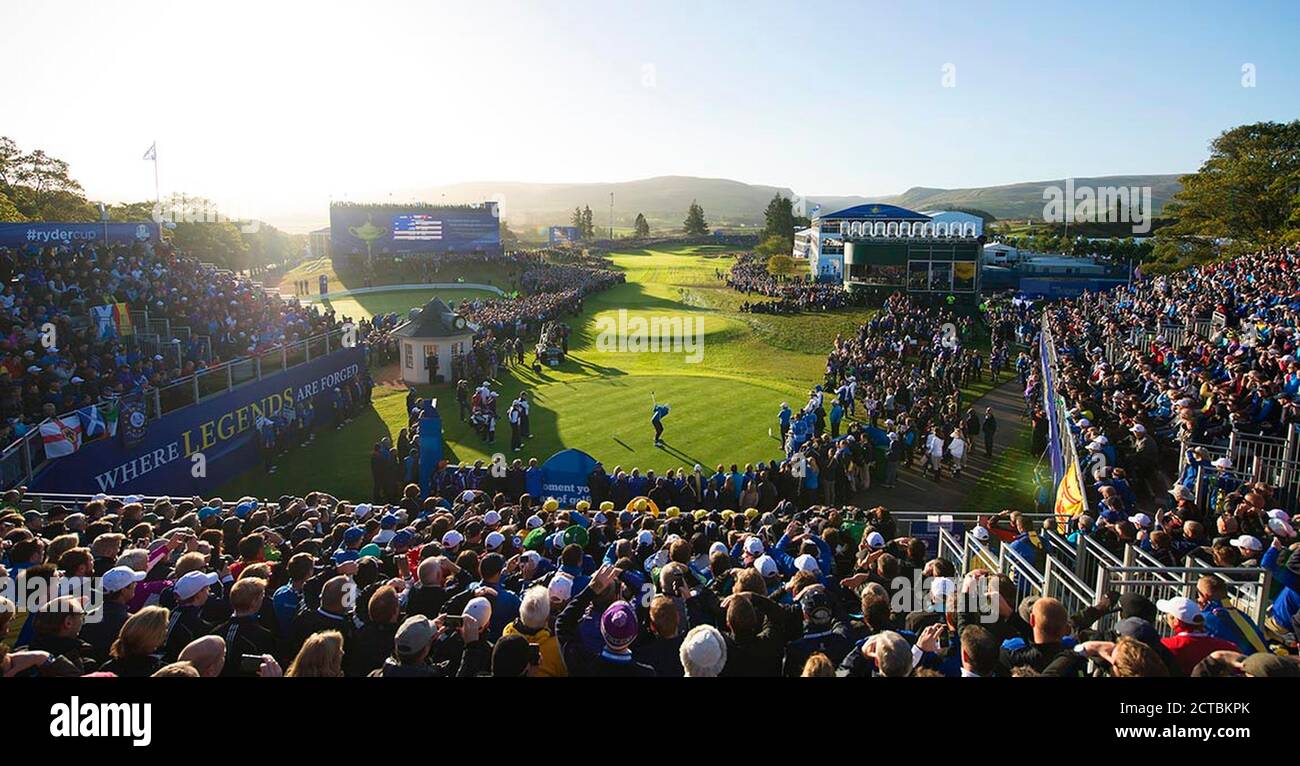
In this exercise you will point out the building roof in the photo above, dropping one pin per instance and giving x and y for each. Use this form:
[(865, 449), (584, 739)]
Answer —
[(874, 211), (434, 320)]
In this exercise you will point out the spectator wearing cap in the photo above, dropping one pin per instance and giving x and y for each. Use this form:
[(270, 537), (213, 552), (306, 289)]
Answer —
[(703, 652), (618, 631), (532, 625), (411, 645), (1189, 643), (350, 549), (119, 589), (822, 628), (465, 650), (187, 623), (1250, 548), (1223, 620)]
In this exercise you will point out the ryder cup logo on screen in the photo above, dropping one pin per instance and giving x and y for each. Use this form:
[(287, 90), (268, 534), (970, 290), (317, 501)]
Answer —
[(653, 335)]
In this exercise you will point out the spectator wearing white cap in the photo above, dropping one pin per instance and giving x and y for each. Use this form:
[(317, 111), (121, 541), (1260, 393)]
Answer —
[(703, 652), (1250, 548), (102, 629), (1189, 643), (187, 622)]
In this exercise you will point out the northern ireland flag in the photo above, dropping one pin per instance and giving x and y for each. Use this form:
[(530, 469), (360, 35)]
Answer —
[(61, 436)]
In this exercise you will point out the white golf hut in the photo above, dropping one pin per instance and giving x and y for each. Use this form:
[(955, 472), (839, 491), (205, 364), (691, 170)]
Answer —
[(432, 332)]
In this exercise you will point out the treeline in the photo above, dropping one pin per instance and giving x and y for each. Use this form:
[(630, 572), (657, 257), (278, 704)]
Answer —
[(1245, 197)]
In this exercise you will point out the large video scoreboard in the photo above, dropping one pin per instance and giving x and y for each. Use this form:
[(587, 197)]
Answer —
[(378, 230)]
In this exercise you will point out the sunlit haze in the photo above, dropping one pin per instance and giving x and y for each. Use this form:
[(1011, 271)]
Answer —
[(274, 108)]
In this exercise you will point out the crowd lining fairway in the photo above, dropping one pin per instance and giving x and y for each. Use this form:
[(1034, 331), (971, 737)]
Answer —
[(724, 408)]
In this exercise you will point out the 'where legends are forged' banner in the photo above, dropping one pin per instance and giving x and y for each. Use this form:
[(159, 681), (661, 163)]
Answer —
[(221, 428)]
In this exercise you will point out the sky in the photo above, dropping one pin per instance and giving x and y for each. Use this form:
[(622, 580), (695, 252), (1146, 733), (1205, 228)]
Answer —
[(273, 108)]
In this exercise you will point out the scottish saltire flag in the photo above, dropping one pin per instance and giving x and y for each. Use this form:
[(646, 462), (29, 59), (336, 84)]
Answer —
[(96, 423), (61, 437), (152, 154)]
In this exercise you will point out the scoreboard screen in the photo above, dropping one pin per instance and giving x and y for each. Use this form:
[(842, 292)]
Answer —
[(416, 227), (358, 229)]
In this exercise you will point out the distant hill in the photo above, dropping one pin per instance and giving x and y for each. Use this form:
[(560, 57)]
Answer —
[(663, 200), (728, 203), (1019, 200)]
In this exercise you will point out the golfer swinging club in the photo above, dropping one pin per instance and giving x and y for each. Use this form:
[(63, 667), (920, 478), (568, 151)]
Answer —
[(656, 419)]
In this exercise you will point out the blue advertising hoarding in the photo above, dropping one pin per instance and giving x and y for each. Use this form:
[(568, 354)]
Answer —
[(564, 476), (43, 234), (376, 230), (222, 429)]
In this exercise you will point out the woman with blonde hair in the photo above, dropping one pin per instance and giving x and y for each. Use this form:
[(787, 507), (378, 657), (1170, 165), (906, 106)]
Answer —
[(818, 666), (321, 655), (134, 653)]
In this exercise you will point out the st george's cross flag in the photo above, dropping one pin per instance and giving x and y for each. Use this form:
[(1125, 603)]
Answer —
[(62, 436)]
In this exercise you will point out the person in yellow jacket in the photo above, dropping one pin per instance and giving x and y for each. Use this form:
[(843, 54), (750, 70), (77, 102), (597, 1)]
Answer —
[(532, 624)]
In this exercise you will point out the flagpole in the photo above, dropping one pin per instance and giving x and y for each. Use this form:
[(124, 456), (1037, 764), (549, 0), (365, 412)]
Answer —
[(156, 188)]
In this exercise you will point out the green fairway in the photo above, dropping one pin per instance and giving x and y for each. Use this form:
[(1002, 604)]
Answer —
[(367, 305), (723, 406)]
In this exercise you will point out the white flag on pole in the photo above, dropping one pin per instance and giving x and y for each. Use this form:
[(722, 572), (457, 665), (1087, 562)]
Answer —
[(152, 154)]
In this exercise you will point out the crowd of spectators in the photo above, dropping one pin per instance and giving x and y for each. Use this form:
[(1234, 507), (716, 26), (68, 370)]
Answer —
[(54, 359), (1150, 415), (473, 582), (793, 295)]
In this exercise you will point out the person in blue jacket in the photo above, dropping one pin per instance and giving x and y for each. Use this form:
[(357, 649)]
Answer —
[(656, 419), (1287, 603)]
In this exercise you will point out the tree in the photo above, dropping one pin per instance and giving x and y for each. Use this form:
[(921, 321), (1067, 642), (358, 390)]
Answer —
[(576, 222), (9, 213), (641, 227), (219, 243), (1243, 197), (779, 218), (695, 225), (508, 238), (588, 225), (784, 266), (131, 211)]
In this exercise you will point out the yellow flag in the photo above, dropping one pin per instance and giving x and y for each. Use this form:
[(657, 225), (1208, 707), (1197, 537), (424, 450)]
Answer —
[(1069, 499)]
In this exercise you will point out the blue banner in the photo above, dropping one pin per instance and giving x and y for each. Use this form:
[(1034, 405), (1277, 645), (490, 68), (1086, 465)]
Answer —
[(564, 476), (42, 234), (221, 428), (430, 444), (394, 229)]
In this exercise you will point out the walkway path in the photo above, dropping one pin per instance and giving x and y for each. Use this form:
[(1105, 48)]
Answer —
[(984, 478)]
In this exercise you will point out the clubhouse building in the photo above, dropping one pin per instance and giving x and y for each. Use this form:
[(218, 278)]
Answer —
[(886, 247)]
